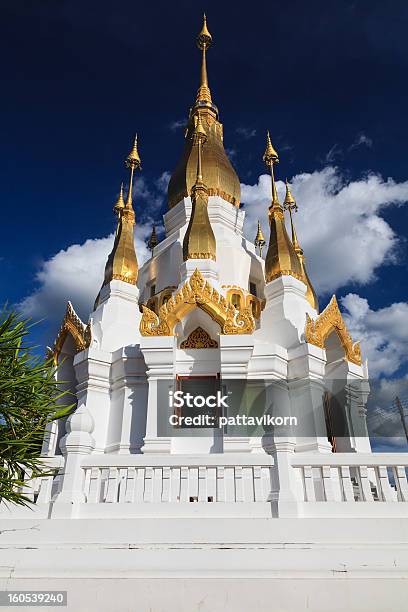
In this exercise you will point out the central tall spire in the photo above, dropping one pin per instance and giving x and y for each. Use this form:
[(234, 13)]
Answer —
[(218, 174)]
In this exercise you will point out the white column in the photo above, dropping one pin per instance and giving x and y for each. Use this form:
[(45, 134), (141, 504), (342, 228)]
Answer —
[(77, 443), (92, 369), (158, 352), (306, 369), (235, 353), (127, 418)]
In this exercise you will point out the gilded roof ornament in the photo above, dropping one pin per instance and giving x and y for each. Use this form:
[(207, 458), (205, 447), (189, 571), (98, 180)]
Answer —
[(72, 325), (331, 320), (281, 258), (196, 293), (291, 205)]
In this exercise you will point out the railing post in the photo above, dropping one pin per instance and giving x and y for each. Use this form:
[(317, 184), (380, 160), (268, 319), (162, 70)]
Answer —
[(286, 489), (77, 443)]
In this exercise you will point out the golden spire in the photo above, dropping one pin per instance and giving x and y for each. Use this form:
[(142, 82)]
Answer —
[(122, 261), (281, 258), (153, 241), (120, 203), (259, 239), (291, 205), (199, 240), (270, 158), (132, 161), (204, 40)]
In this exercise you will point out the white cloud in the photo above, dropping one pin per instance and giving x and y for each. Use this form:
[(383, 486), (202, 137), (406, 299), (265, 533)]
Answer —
[(383, 333), (176, 125), (339, 223), (75, 274), (245, 132), (361, 140), (334, 152), (163, 181)]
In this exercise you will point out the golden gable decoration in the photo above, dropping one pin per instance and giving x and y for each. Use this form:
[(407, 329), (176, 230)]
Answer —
[(199, 339), (196, 293), (330, 320), (73, 325)]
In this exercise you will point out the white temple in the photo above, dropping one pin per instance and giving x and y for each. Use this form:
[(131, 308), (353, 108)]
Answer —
[(137, 516)]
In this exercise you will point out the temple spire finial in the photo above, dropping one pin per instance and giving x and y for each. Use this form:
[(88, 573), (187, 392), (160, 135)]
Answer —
[(132, 161), (259, 239), (120, 203), (290, 204), (271, 158), (204, 40)]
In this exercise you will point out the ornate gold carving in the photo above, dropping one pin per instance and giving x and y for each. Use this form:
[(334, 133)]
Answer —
[(330, 320), (73, 325), (196, 292), (199, 339), (250, 301)]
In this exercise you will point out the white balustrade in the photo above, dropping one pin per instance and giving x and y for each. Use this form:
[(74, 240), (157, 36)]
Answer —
[(138, 479), (352, 478)]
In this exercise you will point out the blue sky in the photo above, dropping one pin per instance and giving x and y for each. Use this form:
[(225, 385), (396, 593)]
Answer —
[(327, 78)]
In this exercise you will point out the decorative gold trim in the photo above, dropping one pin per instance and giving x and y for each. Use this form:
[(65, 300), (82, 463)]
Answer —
[(286, 273), (330, 320), (72, 324), (199, 339), (196, 292)]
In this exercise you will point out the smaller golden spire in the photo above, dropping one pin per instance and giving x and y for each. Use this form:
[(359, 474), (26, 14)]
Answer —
[(120, 203), (290, 205), (270, 158), (132, 161), (199, 240), (153, 241), (281, 258), (122, 261), (204, 40), (199, 138), (259, 239)]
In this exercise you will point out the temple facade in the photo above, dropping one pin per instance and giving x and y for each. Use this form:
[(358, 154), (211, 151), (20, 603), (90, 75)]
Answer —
[(210, 305)]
